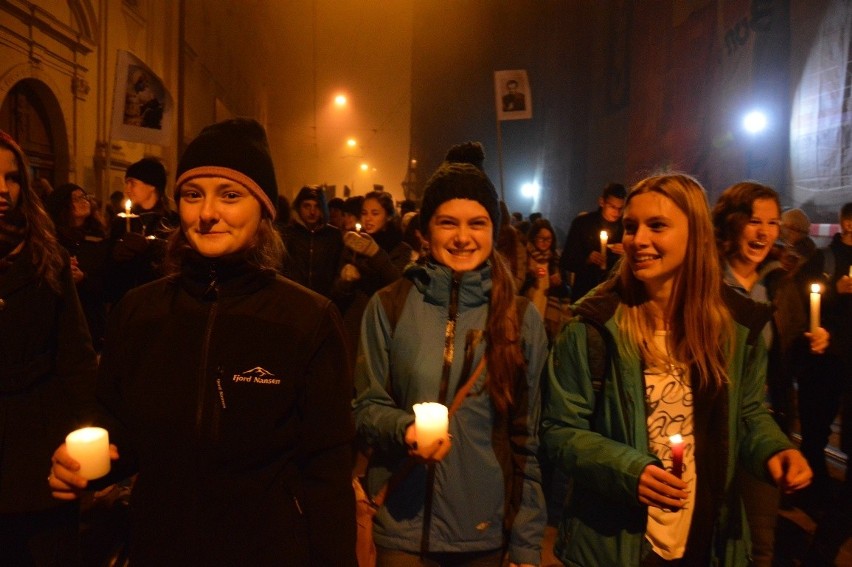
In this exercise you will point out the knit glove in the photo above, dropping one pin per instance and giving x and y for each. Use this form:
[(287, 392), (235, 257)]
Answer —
[(349, 273), (360, 243)]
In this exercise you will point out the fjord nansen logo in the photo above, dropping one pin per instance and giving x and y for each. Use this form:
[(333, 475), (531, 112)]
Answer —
[(257, 375)]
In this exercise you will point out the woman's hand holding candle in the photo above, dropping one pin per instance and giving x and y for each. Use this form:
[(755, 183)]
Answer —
[(819, 340), (658, 487), (428, 437), (65, 480)]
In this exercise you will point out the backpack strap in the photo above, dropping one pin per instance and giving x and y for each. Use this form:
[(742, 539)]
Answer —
[(393, 299), (598, 356)]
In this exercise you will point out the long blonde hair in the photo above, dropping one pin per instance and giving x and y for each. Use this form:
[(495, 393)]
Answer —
[(700, 324)]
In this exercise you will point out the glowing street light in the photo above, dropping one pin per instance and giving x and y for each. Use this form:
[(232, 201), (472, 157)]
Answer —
[(340, 100), (364, 167), (530, 190), (754, 122), (351, 142)]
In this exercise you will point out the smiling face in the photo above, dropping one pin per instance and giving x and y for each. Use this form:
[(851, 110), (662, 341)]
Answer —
[(461, 234), (759, 233), (543, 239), (81, 206), (218, 216), (10, 181), (656, 234), (373, 216)]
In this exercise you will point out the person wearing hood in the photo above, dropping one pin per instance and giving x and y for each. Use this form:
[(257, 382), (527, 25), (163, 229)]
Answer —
[(224, 385), (313, 246)]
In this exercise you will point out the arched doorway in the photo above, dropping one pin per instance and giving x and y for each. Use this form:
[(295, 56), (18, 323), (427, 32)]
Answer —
[(30, 113)]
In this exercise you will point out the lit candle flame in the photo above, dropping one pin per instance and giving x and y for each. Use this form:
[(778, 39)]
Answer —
[(127, 205), (676, 439), (358, 226), (815, 288)]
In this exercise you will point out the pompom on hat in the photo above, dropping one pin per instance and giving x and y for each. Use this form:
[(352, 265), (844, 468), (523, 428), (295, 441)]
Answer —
[(236, 149), (460, 176)]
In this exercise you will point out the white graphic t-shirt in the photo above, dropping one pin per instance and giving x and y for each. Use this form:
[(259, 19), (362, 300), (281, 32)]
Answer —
[(668, 396)]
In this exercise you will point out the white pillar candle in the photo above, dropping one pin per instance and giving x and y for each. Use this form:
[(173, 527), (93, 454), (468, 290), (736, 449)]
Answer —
[(604, 240), (89, 446), (128, 204), (814, 307), (431, 423), (850, 270)]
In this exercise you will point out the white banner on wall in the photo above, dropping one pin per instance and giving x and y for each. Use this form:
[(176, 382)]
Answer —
[(142, 108)]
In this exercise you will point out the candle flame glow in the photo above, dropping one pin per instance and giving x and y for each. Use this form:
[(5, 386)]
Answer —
[(676, 439), (127, 205), (358, 226), (815, 288), (604, 235)]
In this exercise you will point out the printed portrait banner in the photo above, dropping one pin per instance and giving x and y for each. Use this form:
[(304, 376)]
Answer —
[(513, 96), (142, 108)]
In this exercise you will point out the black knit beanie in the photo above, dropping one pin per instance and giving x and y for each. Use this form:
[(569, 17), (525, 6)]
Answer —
[(148, 170), (235, 149), (460, 176)]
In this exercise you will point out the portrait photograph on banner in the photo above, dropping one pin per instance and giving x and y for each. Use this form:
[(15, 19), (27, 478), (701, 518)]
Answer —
[(512, 95), (143, 110)]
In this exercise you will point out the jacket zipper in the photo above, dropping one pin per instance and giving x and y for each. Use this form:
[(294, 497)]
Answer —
[(449, 353), (212, 288)]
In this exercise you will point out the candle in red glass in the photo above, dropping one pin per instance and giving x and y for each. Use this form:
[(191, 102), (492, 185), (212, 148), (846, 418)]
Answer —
[(677, 454)]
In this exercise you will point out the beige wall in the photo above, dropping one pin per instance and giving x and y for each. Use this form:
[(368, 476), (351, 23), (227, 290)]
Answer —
[(70, 47)]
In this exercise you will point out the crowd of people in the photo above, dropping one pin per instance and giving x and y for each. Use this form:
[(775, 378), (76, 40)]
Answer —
[(256, 364)]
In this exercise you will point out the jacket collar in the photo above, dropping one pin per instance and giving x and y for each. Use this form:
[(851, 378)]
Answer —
[(212, 278), (435, 280)]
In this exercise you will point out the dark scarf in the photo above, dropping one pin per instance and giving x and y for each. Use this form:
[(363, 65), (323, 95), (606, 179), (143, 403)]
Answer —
[(13, 225)]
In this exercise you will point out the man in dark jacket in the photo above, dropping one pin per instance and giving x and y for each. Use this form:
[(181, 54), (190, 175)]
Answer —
[(137, 245), (582, 251), (313, 247)]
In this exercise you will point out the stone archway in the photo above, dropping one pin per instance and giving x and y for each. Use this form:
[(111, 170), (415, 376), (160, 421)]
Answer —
[(31, 113)]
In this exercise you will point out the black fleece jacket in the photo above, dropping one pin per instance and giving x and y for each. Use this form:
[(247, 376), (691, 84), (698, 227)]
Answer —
[(228, 390)]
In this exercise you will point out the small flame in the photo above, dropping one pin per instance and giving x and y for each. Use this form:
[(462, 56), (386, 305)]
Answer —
[(127, 205), (358, 226), (676, 439), (604, 235), (815, 288)]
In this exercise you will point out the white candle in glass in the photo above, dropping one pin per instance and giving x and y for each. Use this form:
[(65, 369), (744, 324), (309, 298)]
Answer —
[(431, 423), (604, 240), (89, 446), (815, 289)]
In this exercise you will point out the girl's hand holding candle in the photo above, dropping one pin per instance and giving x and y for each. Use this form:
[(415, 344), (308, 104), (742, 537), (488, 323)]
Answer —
[(428, 436), (89, 446)]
